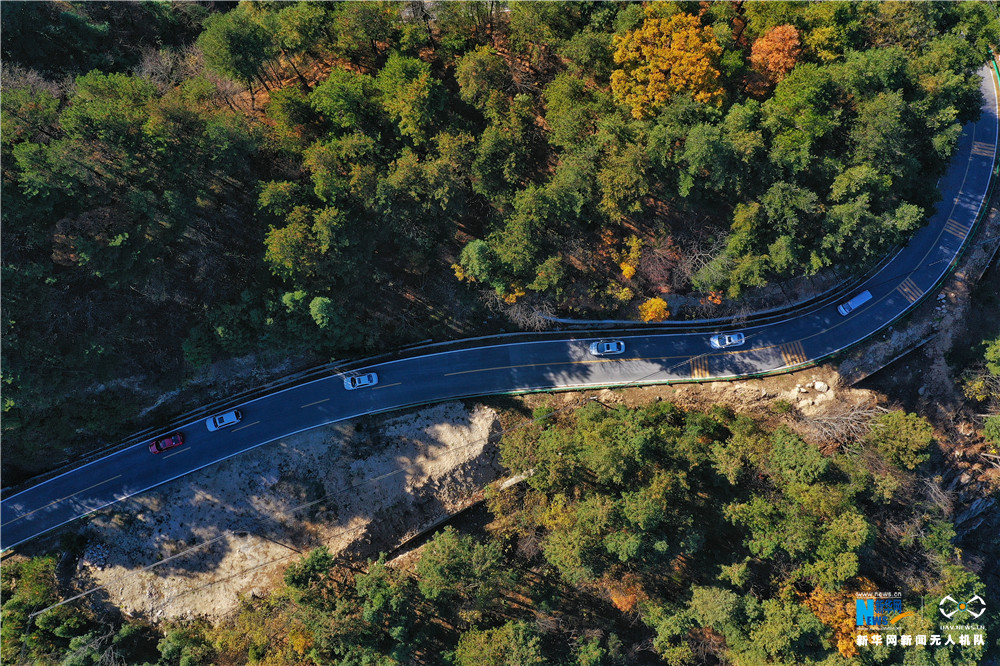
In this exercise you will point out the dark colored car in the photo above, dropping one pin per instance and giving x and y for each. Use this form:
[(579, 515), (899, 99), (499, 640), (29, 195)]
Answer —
[(168, 442)]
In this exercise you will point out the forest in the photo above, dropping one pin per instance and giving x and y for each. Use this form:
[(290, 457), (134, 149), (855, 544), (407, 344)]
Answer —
[(641, 535), (186, 183)]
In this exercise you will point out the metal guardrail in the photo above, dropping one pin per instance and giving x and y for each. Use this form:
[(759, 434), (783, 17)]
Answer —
[(833, 293)]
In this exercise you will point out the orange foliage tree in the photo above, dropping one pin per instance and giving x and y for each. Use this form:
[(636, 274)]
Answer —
[(655, 309), (836, 609), (775, 54), (663, 57)]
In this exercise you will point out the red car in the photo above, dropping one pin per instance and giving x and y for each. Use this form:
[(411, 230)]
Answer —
[(168, 442)]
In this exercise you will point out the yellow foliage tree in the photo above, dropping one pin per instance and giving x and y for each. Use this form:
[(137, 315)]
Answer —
[(629, 258), (515, 293), (655, 309), (663, 57), (620, 292)]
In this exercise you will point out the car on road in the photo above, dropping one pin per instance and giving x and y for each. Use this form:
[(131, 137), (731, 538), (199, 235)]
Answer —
[(360, 381), (168, 442), (607, 347), (220, 421), (724, 340), (856, 302)]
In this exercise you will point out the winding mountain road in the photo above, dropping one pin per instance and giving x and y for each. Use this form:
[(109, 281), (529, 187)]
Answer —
[(649, 358)]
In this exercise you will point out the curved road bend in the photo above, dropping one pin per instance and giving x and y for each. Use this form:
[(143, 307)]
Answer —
[(538, 365)]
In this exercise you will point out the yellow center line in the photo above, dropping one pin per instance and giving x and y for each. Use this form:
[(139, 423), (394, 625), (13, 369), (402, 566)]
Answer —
[(247, 425), (538, 365), (314, 403), (382, 386), (61, 499), (187, 448)]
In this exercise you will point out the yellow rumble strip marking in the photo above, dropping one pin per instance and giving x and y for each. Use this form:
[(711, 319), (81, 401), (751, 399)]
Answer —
[(63, 498), (956, 229), (982, 148), (792, 353), (699, 368), (910, 291)]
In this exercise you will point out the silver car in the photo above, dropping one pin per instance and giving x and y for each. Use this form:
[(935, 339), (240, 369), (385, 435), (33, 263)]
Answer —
[(723, 340), (607, 347), (220, 421), (360, 381)]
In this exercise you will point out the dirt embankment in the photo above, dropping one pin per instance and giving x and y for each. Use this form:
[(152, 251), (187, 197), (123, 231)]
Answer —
[(356, 488)]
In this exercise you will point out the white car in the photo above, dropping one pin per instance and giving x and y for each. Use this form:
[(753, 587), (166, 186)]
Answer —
[(723, 340), (853, 304), (360, 381), (607, 347), (224, 420)]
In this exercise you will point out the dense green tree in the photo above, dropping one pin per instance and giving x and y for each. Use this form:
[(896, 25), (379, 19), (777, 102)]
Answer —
[(236, 46), (505, 154), (421, 198), (801, 115), (29, 587), (347, 100), (992, 356), (410, 95), (484, 80), (590, 54), (366, 31), (513, 644), (902, 438), (991, 429), (572, 110), (293, 116), (536, 30), (304, 28), (345, 169), (479, 262), (454, 569)]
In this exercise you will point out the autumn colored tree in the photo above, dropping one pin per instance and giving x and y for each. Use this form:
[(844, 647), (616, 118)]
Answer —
[(775, 54), (665, 57), (655, 309)]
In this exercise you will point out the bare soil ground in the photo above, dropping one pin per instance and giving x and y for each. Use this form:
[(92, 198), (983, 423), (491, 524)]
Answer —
[(356, 487)]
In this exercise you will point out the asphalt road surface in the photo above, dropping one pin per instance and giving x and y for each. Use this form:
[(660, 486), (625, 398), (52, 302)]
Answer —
[(538, 365)]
